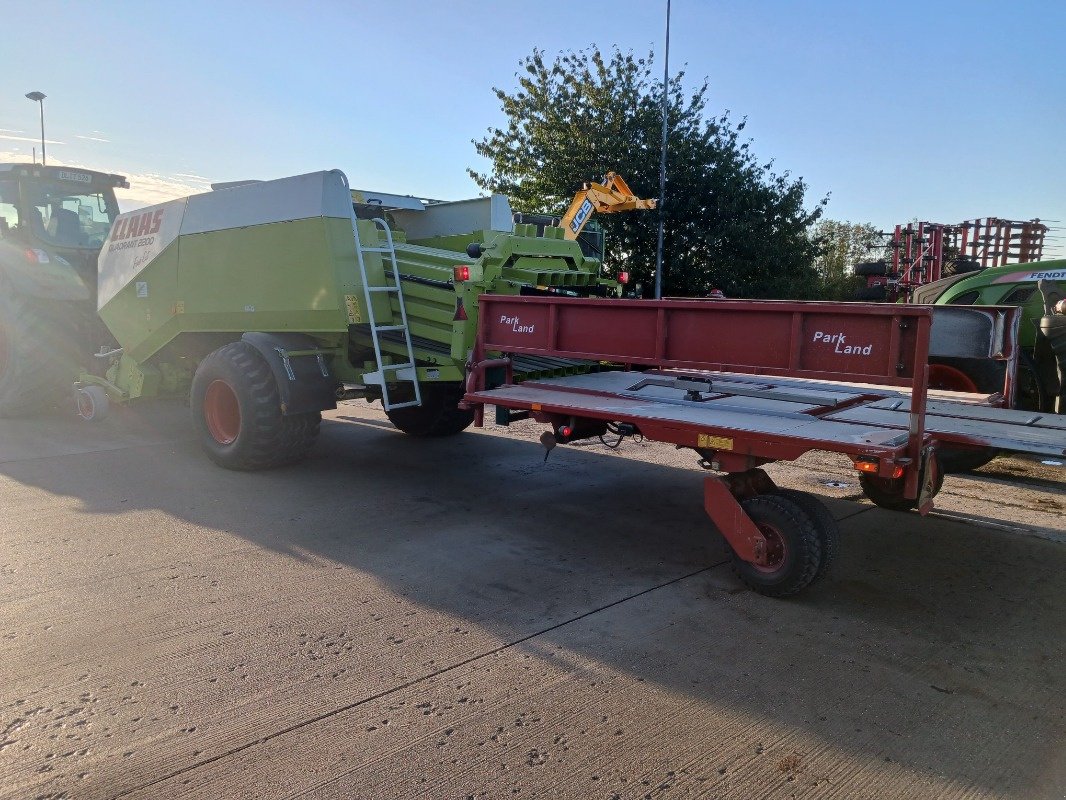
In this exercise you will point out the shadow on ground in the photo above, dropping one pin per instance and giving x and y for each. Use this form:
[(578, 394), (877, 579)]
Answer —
[(941, 642)]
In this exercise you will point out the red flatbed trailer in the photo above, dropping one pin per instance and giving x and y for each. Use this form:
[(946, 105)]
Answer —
[(745, 383)]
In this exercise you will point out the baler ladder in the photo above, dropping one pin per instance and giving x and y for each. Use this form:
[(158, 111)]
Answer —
[(401, 372)]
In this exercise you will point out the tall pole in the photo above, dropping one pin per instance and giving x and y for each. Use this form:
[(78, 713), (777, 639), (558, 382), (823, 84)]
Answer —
[(662, 162), (38, 97)]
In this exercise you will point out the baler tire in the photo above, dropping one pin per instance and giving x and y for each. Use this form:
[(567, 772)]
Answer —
[(825, 524), (264, 437), (439, 415), (796, 532), (39, 354)]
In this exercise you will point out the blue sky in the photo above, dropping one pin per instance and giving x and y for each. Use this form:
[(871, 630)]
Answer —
[(937, 110)]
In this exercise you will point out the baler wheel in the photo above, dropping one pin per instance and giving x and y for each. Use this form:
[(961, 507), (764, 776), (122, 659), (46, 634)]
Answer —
[(39, 354), (236, 409), (439, 414), (794, 549), (825, 524), (92, 403)]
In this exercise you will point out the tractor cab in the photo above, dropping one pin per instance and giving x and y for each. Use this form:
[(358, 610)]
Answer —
[(58, 211)]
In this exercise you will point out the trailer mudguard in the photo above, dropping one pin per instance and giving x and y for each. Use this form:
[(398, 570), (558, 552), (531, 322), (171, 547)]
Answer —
[(304, 381)]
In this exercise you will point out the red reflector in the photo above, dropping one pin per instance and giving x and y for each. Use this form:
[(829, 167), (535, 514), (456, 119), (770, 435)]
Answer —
[(460, 310), (866, 466), (623, 278), (897, 472), (30, 256), (462, 273)]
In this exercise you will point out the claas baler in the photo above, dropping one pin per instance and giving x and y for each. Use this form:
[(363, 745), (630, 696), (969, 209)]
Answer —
[(266, 302)]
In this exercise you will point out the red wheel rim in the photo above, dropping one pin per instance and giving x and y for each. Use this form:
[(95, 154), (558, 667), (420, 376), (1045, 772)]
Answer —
[(222, 412), (776, 548), (85, 405), (950, 379)]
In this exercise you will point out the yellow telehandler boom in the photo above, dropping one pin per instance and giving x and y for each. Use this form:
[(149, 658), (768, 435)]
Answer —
[(609, 197)]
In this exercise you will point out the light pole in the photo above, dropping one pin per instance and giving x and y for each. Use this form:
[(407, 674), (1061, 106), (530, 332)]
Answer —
[(38, 97), (662, 163)]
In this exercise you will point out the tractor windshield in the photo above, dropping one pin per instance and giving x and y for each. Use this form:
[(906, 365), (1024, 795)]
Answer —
[(67, 216)]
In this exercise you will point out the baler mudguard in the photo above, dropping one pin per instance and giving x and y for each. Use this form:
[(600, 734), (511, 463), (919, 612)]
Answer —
[(304, 380)]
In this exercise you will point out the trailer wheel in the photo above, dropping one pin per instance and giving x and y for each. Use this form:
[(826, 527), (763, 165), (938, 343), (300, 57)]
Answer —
[(794, 549), (236, 409), (888, 492), (38, 354), (825, 524), (439, 414)]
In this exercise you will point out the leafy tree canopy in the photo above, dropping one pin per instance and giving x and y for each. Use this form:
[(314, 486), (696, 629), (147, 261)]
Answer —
[(841, 245), (731, 222)]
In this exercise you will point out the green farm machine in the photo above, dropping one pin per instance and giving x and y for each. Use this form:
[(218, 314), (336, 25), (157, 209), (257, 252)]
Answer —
[(53, 222), (266, 302)]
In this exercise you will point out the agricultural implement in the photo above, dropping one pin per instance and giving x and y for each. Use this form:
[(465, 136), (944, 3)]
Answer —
[(743, 384)]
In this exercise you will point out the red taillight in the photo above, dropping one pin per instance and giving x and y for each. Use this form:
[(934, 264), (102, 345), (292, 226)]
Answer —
[(874, 467), (623, 278), (565, 431), (461, 272)]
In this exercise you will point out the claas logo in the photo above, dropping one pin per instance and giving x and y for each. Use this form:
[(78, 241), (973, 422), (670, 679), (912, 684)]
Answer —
[(137, 225)]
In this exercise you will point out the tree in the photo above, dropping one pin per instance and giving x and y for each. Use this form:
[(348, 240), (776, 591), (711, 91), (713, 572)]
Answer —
[(841, 245), (730, 222)]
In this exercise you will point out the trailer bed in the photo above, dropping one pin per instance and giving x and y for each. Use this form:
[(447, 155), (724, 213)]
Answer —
[(804, 411)]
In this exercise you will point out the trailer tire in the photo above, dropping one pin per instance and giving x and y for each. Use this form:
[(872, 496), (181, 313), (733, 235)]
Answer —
[(236, 409), (826, 526), (888, 492), (871, 268), (439, 414), (796, 549), (39, 354)]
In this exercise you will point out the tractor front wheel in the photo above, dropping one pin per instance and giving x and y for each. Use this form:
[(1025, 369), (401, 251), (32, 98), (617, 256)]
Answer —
[(236, 409)]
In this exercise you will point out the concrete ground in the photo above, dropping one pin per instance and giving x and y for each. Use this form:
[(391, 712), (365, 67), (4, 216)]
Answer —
[(457, 618)]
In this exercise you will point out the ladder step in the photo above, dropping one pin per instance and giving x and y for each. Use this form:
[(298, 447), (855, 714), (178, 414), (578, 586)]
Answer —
[(383, 288), (396, 366), (403, 405), (377, 249), (390, 327)]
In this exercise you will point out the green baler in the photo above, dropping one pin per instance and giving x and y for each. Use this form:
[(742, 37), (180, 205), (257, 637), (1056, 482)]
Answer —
[(271, 300)]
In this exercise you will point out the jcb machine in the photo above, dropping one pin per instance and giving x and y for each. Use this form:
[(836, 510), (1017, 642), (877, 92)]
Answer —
[(271, 300), (53, 222)]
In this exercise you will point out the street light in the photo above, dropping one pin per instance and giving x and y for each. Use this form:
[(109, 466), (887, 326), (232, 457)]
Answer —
[(38, 97)]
